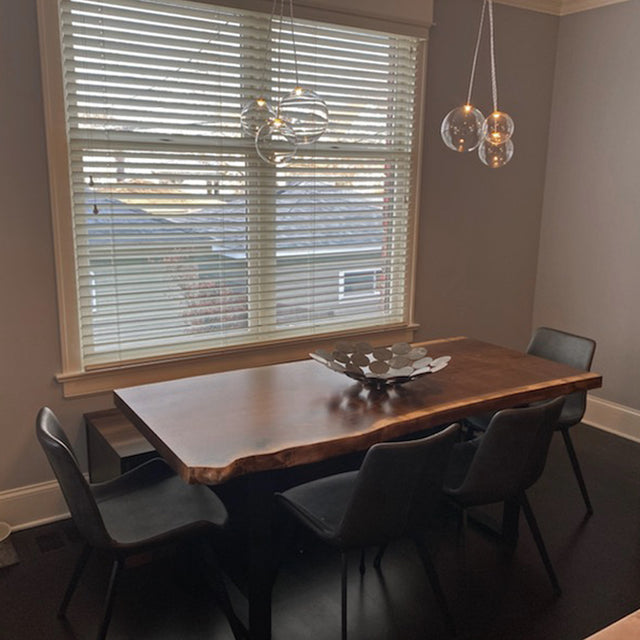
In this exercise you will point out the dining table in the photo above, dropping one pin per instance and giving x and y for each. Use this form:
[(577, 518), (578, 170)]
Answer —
[(255, 422)]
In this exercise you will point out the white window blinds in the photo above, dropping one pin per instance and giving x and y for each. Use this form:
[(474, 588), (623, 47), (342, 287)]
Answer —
[(185, 240)]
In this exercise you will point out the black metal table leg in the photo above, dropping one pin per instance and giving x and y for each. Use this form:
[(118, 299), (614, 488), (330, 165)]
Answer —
[(261, 570)]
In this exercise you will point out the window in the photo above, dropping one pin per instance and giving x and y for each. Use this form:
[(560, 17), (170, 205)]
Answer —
[(182, 239), (361, 283)]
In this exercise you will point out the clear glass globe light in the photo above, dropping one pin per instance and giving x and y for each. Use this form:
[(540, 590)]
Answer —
[(495, 155), (255, 114), (276, 142), (306, 112), (498, 127), (461, 129)]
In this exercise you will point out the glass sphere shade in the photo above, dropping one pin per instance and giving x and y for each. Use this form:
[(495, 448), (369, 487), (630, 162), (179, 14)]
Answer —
[(276, 142), (255, 114), (498, 127), (461, 129), (306, 112), (495, 155)]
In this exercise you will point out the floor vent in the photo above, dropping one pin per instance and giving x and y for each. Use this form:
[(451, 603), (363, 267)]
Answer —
[(50, 542)]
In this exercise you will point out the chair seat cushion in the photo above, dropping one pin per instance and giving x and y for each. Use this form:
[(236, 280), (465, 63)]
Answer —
[(572, 412), (459, 463), (150, 504), (321, 503)]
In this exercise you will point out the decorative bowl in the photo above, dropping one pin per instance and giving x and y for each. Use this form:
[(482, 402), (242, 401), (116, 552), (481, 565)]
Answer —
[(380, 366)]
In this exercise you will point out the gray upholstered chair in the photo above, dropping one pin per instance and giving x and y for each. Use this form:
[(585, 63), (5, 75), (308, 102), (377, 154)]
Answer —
[(146, 507), (397, 482), (501, 464), (575, 351)]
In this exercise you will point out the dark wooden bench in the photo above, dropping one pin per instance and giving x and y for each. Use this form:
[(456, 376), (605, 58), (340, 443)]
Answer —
[(114, 445)]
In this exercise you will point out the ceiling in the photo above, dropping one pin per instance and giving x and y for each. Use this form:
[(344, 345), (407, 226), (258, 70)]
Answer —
[(559, 7)]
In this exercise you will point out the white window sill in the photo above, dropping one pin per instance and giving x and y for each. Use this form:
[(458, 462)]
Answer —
[(130, 374)]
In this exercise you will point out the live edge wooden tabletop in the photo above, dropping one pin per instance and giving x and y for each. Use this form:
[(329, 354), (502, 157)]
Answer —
[(215, 427)]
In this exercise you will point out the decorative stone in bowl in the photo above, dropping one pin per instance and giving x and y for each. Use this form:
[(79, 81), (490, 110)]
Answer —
[(380, 366)]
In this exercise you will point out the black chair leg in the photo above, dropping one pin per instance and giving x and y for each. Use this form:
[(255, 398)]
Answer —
[(116, 571), (75, 577), (222, 595), (434, 581), (537, 536), (576, 468), (344, 595), (378, 559), (462, 523), (363, 560), (510, 521)]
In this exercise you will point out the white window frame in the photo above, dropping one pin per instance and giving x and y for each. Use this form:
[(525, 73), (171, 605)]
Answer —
[(80, 380)]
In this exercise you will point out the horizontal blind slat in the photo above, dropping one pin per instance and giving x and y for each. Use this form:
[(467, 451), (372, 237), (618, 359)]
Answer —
[(184, 239)]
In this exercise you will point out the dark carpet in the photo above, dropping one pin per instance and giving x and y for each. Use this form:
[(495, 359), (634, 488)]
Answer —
[(493, 594)]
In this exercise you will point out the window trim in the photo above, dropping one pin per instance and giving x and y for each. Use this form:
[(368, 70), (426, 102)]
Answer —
[(108, 378), (78, 381)]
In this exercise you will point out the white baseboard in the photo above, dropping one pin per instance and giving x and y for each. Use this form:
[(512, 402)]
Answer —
[(614, 418), (32, 505)]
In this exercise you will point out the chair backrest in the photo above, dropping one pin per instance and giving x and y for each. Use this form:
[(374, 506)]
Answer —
[(75, 489), (511, 454), (567, 348), (391, 475)]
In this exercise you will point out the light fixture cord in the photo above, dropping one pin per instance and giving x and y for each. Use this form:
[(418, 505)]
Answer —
[(267, 46), (279, 83), (293, 42), (475, 54), (494, 81), (273, 13)]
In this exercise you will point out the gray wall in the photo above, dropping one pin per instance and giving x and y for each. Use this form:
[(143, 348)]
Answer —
[(478, 234), (29, 341), (589, 265), (479, 226)]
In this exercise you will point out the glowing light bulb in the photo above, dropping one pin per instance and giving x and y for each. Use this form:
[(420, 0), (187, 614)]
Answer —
[(255, 114), (495, 155), (306, 112), (276, 142), (461, 128), (498, 127)]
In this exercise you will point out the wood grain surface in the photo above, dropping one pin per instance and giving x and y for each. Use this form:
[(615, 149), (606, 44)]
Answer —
[(215, 427), (626, 629)]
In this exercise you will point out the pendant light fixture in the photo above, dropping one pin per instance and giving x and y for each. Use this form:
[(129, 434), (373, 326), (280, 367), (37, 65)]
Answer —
[(466, 129), (461, 129), (303, 108), (300, 118), (276, 141), (258, 111), (496, 148), (254, 114)]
